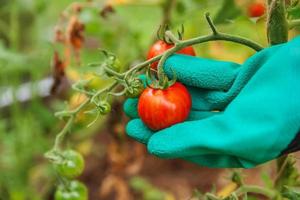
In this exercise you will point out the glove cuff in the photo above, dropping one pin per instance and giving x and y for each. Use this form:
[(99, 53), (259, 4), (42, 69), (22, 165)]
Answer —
[(293, 146)]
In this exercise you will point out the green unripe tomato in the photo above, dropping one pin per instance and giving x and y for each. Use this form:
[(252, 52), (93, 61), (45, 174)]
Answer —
[(104, 107), (75, 190), (72, 164)]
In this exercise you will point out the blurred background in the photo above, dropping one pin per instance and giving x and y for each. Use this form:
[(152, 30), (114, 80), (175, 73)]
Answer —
[(37, 69)]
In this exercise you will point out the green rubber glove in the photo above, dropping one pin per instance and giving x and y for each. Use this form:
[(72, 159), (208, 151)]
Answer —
[(259, 104)]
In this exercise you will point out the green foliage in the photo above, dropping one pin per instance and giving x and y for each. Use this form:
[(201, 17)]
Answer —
[(146, 189), (227, 12)]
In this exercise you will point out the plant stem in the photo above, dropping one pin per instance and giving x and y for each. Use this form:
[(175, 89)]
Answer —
[(62, 133), (211, 196), (294, 23), (255, 189), (14, 26), (166, 10), (72, 114), (277, 25)]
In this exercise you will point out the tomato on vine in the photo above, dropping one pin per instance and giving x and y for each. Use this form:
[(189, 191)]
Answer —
[(72, 164), (161, 46), (256, 9), (161, 108), (73, 190)]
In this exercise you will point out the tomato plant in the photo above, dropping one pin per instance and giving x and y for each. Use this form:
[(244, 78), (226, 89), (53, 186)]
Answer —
[(72, 164), (161, 108), (161, 46), (74, 190), (256, 9)]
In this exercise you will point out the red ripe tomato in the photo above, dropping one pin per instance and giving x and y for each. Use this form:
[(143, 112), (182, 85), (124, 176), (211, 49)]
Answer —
[(161, 108), (256, 10), (161, 46)]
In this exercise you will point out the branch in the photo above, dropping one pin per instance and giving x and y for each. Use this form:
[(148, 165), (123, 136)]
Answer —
[(71, 116), (211, 24), (294, 23), (212, 37)]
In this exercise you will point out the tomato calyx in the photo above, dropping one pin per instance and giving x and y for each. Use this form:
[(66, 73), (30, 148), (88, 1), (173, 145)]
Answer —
[(164, 83), (133, 87), (162, 30), (111, 64)]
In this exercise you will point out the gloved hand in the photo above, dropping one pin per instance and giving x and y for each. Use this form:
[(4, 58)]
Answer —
[(259, 104)]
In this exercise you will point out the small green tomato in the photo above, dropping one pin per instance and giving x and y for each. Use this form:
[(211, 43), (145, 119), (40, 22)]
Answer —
[(74, 190), (72, 164)]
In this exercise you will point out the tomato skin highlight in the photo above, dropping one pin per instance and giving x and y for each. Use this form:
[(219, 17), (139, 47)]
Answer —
[(256, 10), (162, 108), (161, 46)]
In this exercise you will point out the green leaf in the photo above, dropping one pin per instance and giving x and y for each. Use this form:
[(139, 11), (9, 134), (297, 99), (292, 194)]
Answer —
[(227, 12), (294, 13), (291, 193)]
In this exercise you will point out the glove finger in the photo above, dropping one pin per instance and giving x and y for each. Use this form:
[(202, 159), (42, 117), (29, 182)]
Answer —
[(130, 108), (137, 130), (198, 115), (216, 161), (200, 72), (213, 135)]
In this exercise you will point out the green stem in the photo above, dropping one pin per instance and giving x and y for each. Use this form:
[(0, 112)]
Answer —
[(277, 25), (59, 138), (294, 23), (141, 65), (167, 7), (107, 89), (255, 189), (211, 196), (112, 72), (51, 155), (14, 26)]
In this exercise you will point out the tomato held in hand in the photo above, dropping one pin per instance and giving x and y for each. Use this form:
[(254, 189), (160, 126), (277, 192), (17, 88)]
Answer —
[(161, 46), (256, 10), (161, 108), (72, 191), (72, 164)]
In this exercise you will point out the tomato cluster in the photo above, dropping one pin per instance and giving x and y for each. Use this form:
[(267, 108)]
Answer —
[(161, 108), (71, 166)]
